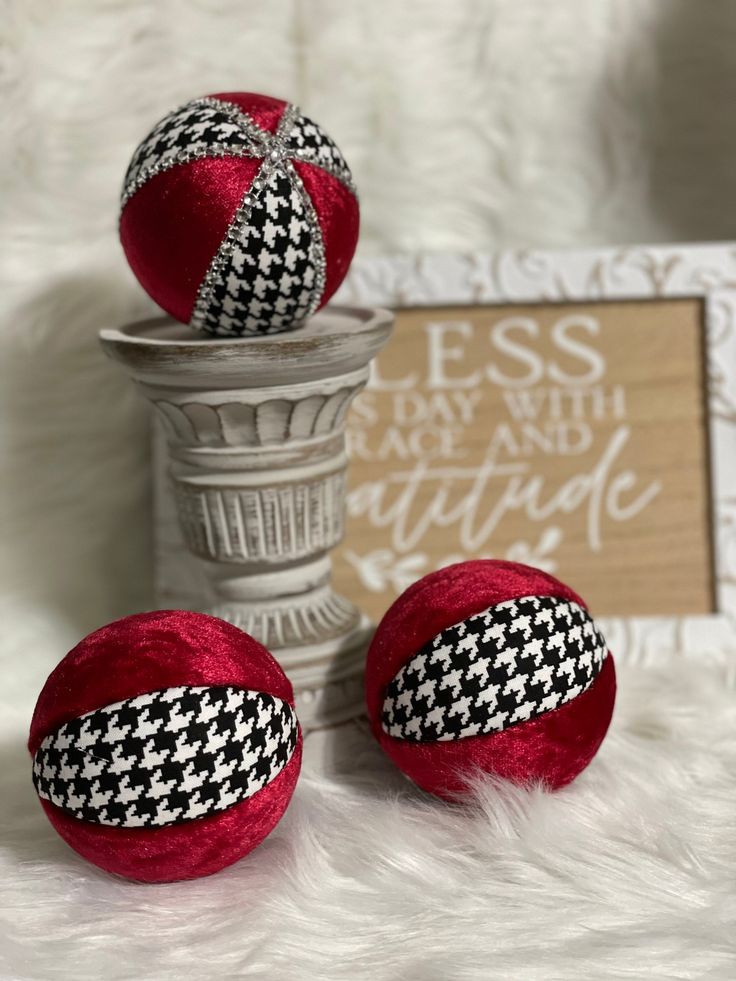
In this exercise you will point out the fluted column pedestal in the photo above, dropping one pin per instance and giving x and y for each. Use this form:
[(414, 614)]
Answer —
[(256, 446)]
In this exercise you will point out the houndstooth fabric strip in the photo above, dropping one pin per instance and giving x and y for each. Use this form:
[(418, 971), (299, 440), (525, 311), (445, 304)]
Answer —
[(267, 280), (269, 272), (509, 663), (203, 127), (309, 142), (167, 756)]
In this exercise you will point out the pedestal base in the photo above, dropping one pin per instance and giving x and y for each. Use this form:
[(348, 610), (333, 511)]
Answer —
[(319, 637)]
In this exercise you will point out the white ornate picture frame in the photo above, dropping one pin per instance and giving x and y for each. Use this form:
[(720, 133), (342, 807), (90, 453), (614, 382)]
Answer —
[(705, 272)]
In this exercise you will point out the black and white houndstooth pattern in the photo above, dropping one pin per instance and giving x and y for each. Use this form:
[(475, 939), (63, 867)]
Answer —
[(269, 272), (268, 280), (509, 663), (200, 128), (167, 756), (309, 142)]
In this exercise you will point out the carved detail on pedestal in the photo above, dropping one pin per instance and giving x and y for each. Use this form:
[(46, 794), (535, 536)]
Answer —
[(294, 624), (256, 452), (267, 524), (271, 422)]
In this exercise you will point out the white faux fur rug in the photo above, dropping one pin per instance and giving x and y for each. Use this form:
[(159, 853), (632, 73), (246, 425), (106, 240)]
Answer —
[(470, 124), (629, 873)]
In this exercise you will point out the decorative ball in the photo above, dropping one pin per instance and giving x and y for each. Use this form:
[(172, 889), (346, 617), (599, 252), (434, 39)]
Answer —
[(239, 215), (489, 666), (165, 746)]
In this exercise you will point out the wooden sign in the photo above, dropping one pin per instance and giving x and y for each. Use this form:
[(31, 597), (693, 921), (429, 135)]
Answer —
[(569, 436), (574, 410)]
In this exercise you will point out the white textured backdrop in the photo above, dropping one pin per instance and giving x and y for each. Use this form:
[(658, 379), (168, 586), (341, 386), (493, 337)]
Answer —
[(472, 123)]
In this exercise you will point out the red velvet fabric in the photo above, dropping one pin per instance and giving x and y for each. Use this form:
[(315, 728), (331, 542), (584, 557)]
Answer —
[(148, 652), (552, 748), (182, 851), (174, 224), (264, 110), (339, 218)]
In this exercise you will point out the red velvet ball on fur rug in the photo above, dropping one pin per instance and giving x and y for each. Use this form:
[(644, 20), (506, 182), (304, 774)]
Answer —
[(492, 667), (165, 746)]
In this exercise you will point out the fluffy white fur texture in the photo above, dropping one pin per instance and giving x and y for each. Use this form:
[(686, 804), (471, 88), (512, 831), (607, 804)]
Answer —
[(476, 123), (627, 874)]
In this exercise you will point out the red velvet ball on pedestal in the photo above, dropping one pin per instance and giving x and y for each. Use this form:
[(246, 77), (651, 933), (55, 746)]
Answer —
[(239, 215), (165, 746), (489, 666)]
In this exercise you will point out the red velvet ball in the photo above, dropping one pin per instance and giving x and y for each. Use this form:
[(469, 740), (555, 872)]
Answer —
[(489, 666), (165, 746), (239, 215)]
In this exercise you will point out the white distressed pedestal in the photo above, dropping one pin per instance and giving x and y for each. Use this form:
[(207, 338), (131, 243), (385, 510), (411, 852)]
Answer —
[(257, 466)]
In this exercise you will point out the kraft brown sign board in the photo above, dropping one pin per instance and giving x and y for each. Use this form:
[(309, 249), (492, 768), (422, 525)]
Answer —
[(570, 436), (573, 410)]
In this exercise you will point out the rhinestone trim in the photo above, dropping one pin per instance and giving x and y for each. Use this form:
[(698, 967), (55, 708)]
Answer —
[(318, 244), (243, 121), (275, 156), (343, 177), (273, 148), (240, 219)]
